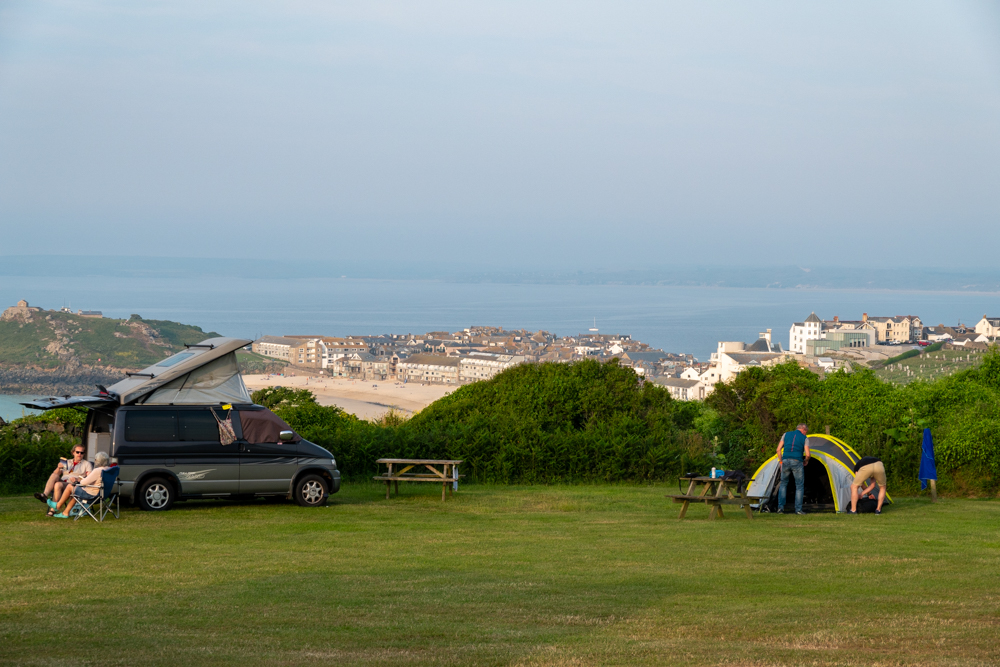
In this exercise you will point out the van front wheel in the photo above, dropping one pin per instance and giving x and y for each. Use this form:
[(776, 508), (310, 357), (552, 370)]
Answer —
[(156, 495), (311, 491)]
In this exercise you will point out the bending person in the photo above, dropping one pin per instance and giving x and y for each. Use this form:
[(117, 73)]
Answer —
[(66, 473), (793, 452), (868, 468), (88, 488)]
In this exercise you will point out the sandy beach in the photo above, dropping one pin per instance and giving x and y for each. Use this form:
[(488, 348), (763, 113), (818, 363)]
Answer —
[(367, 400)]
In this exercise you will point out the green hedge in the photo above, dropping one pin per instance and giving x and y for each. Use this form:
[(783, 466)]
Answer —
[(533, 423), (876, 418), (30, 448), (594, 422)]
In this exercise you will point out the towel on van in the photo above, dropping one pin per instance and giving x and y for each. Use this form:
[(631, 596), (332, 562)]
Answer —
[(227, 435)]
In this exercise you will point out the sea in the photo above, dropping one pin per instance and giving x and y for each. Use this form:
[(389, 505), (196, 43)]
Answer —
[(673, 318), (10, 408)]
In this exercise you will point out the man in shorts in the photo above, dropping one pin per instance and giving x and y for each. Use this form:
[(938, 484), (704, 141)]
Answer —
[(868, 468), (66, 473)]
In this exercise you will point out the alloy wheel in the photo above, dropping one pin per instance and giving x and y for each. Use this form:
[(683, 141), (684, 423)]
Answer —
[(157, 496)]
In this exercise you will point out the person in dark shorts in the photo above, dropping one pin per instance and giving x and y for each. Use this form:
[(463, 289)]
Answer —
[(868, 468), (793, 452), (67, 473)]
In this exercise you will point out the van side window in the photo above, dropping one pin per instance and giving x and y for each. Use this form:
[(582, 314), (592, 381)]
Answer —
[(199, 425), (151, 426)]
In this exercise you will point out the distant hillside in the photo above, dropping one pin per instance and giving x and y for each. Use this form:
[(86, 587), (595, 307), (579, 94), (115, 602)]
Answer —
[(44, 351)]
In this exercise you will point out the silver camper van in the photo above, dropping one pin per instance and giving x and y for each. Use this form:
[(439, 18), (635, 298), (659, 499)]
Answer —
[(169, 429)]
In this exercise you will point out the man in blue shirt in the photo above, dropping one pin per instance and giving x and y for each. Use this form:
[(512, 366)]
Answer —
[(793, 452)]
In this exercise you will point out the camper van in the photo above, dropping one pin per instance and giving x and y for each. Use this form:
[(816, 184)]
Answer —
[(186, 427)]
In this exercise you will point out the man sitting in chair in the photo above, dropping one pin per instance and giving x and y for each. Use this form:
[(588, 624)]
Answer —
[(66, 474), (88, 488)]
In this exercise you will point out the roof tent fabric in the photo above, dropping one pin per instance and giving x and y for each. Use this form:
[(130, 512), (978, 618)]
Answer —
[(837, 459), (218, 381), (263, 426), (138, 385)]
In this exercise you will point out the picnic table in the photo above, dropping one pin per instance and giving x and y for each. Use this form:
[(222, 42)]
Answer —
[(443, 472), (714, 491)]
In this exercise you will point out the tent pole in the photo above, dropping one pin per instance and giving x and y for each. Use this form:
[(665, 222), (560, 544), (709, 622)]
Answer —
[(933, 490)]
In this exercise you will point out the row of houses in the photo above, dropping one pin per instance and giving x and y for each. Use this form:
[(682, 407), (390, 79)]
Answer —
[(482, 351), (814, 337)]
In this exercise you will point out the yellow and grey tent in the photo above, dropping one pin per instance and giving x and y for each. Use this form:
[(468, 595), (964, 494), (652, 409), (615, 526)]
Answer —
[(827, 477)]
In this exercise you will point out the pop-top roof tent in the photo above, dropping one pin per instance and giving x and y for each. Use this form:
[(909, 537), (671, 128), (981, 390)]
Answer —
[(828, 476), (206, 373)]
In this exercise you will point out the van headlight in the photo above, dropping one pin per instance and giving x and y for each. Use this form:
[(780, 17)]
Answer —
[(333, 462)]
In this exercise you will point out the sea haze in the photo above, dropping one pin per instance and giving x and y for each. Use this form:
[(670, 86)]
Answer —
[(674, 318)]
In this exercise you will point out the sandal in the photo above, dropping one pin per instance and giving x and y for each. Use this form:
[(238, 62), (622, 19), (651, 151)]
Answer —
[(51, 512)]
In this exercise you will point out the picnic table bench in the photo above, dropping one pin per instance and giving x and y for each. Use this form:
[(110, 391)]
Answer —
[(443, 472), (714, 491)]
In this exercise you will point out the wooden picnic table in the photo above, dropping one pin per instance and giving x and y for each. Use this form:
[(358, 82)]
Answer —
[(714, 491), (444, 472)]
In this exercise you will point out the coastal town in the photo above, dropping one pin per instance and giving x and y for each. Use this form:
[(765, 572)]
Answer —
[(480, 353), (440, 360)]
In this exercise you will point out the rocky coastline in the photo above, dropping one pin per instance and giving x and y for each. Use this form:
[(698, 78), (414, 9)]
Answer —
[(79, 380)]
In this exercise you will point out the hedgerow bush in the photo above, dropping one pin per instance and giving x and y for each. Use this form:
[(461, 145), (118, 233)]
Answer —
[(30, 448), (599, 422), (533, 423), (876, 418)]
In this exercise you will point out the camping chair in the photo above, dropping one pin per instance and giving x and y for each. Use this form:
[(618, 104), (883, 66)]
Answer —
[(106, 500)]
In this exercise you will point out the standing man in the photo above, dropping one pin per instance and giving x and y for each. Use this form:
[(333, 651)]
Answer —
[(793, 452), (66, 473), (868, 468)]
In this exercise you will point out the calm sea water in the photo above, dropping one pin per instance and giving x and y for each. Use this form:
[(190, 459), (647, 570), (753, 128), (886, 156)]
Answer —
[(9, 408), (676, 319)]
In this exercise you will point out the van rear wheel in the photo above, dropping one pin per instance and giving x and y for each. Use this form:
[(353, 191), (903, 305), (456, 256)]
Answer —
[(311, 491), (156, 495)]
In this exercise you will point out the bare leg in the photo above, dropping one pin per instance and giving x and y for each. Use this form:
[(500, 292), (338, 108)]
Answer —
[(50, 485), (854, 498), (66, 495), (57, 492), (881, 497), (69, 506)]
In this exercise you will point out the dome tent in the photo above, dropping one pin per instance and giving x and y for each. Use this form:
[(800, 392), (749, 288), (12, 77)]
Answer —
[(828, 477)]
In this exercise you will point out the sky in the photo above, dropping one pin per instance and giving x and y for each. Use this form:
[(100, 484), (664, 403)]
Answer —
[(504, 135)]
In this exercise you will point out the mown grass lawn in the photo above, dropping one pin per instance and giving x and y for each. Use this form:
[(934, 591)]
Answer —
[(564, 575)]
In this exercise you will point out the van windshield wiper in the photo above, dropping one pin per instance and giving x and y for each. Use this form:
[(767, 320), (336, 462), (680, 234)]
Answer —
[(145, 375)]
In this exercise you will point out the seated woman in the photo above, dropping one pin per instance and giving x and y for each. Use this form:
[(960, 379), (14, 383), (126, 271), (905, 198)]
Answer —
[(65, 474), (88, 488)]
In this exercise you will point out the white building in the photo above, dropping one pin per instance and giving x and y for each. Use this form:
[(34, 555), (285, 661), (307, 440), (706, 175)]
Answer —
[(734, 356), (683, 390), (276, 347), (811, 329), (429, 368), (989, 327), (485, 365)]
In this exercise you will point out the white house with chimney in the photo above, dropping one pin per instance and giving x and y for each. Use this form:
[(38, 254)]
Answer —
[(989, 327), (811, 329)]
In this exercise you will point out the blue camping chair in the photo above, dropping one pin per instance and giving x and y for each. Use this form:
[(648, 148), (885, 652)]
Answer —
[(106, 500)]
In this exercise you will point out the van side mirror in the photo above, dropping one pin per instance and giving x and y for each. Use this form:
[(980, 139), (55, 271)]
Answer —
[(286, 436)]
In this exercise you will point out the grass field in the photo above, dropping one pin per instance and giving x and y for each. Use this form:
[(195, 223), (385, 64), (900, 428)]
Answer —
[(930, 366), (564, 575)]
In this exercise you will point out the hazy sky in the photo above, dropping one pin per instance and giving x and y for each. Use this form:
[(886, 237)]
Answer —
[(534, 134)]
